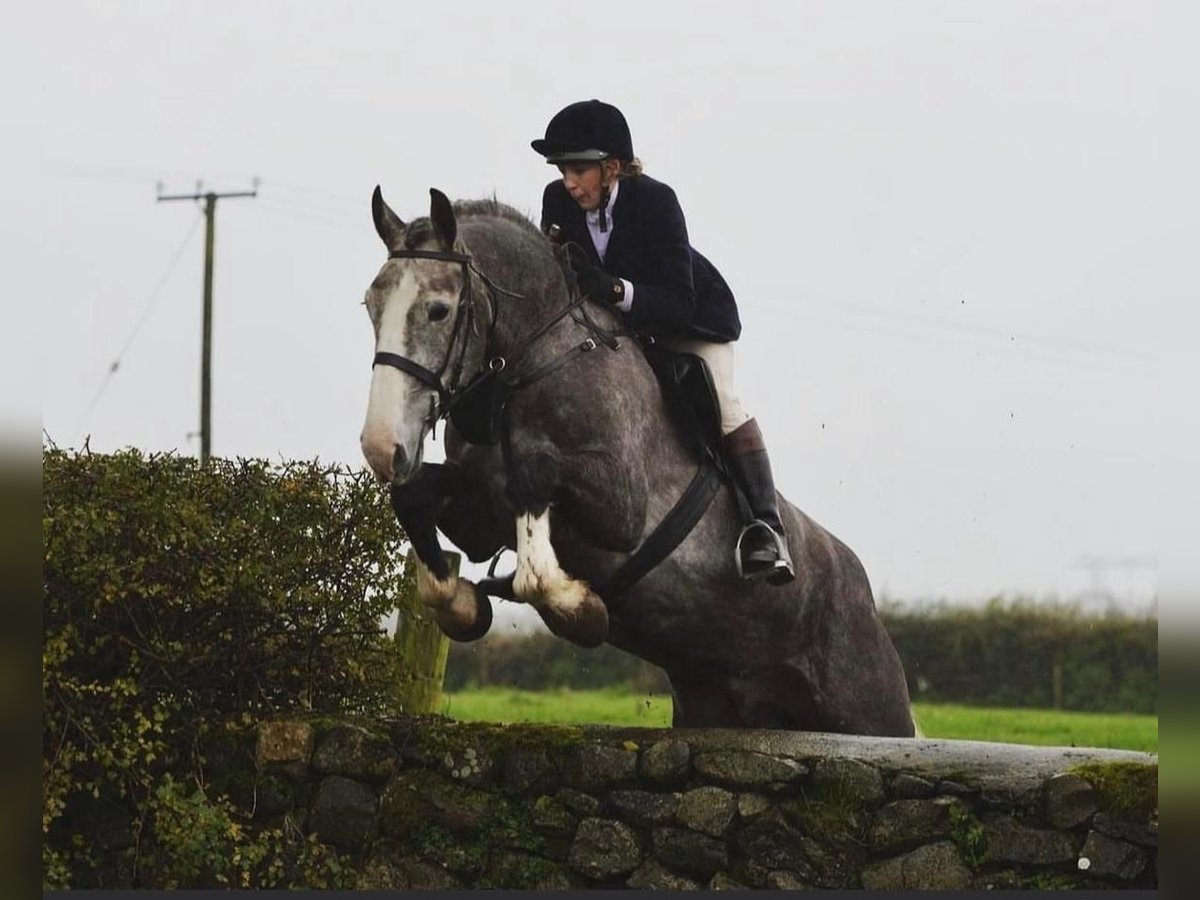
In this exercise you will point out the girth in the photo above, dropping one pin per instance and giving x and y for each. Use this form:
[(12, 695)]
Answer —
[(669, 534)]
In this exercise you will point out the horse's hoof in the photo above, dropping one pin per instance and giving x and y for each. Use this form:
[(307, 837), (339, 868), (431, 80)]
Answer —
[(468, 617), (462, 611), (584, 624)]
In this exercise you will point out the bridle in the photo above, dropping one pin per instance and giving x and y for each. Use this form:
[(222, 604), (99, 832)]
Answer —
[(450, 391), (464, 322)]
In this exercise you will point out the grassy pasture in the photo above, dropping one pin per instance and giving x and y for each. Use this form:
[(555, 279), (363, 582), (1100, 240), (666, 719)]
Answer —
[(620, 706)]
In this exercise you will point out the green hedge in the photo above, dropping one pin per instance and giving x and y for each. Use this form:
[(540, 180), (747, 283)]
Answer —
[(1021, 654), (181, 603), (540, 661), (1005, 654)]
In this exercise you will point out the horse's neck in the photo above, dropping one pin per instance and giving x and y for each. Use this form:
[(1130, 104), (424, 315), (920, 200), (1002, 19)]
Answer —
[(536, 324)]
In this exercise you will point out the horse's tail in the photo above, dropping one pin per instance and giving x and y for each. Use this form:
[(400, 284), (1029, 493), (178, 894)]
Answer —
[(917, 732)]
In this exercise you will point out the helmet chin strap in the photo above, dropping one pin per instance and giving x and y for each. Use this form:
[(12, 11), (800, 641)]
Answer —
[(605, 192)]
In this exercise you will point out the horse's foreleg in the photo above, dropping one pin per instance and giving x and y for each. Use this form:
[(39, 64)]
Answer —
[(461, 611), (416, 504), (567, 605)]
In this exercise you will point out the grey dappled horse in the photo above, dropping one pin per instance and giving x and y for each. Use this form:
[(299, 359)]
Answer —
[(587, 463)]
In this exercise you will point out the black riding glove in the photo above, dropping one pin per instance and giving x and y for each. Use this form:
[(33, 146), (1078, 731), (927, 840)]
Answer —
[(596, 283)]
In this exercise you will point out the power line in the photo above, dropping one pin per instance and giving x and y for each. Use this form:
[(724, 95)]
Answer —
[(102, 173), (1042, 349), (149, 305), (1053, 343)]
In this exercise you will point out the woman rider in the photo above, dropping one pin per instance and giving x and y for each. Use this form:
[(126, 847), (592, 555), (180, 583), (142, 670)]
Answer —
[(637, 257)]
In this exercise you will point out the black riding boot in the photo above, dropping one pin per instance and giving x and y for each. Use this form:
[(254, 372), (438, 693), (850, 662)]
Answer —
[(762, 550)]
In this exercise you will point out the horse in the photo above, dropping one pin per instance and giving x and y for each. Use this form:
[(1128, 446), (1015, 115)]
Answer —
[(571, 459)]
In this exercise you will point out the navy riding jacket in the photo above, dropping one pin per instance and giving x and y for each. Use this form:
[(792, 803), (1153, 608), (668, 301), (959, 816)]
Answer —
[(676, 291)]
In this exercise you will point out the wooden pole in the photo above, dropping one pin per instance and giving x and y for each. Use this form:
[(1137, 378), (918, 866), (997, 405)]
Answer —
[(423, 650), (210, 209), (210, 214)]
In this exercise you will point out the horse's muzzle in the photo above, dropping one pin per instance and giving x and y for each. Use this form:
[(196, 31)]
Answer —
[(389, 460), (400, 468)]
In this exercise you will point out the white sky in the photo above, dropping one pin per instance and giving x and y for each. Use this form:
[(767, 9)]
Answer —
[(963, 236)]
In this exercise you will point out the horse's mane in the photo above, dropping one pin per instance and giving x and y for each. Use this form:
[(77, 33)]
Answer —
[(495, 209), (420, 230)]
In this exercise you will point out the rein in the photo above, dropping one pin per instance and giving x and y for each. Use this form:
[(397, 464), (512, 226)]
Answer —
[(451, 393)]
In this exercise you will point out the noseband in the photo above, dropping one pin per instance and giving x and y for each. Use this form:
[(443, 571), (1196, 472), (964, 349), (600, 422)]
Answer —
[(451, 393)]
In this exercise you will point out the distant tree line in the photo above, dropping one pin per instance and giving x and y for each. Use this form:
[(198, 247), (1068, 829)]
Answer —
[(1007, 653)]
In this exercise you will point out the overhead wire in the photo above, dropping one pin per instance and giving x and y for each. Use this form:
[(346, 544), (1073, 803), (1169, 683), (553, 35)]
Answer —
[(1131, 355), (146, 309), (324, 207), (1055, 351)]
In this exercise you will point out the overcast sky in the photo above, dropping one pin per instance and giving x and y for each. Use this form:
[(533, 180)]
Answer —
[(963, 237)]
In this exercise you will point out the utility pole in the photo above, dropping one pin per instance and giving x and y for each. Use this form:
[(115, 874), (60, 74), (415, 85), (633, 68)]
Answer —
[(210, 199), (1100, 568)]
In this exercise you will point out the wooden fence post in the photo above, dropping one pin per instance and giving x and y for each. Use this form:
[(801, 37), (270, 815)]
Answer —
[(422, 649)]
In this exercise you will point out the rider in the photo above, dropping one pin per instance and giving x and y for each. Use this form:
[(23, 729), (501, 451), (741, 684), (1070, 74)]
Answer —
[(637, 256)]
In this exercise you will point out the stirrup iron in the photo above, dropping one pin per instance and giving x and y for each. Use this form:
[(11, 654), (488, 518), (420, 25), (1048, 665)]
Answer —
[(779, 571)]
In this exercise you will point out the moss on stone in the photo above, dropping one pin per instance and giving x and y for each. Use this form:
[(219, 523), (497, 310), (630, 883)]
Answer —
[(435, 736), (523, 872), (835, 816), (966, 831), (1122, 788), (439, 844), (1052, 881)]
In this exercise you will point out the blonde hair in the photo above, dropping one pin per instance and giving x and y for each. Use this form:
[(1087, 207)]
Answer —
[(626, 168)]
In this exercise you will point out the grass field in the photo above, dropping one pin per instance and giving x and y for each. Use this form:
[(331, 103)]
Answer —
[(617, 706)]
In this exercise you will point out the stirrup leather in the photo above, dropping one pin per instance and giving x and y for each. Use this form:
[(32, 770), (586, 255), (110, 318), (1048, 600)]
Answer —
[(778, 572)]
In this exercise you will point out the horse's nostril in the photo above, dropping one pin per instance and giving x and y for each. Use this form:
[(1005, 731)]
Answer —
[(399, 460)]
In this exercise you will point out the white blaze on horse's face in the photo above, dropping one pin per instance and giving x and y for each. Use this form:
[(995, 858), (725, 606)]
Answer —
[(412, 304)]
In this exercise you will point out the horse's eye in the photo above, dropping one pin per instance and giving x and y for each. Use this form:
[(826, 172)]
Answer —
[(438, 311)]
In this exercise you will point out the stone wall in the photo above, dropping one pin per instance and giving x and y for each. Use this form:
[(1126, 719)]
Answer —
[(422, 803)]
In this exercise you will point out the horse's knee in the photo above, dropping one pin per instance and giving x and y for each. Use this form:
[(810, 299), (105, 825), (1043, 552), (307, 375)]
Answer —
[(533, 480)]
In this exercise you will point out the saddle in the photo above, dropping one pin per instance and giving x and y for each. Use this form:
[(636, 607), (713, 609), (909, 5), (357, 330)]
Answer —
[(691, 399)]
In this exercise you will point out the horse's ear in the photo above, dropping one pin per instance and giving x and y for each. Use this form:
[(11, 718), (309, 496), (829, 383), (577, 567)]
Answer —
[(441, 214), (387, 223)]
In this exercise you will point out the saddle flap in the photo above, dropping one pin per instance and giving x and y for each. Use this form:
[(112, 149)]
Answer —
[(691, 397)]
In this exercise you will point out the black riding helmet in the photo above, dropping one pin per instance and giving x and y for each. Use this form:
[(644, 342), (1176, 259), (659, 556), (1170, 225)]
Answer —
[(587, 131)]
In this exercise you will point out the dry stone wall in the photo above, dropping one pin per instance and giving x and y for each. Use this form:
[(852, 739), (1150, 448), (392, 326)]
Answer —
[(423, 803)]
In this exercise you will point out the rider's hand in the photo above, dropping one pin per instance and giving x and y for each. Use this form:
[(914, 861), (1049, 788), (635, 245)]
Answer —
[(598, 284)]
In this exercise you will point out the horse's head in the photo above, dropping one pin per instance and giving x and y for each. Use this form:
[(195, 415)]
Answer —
[(419, 333)]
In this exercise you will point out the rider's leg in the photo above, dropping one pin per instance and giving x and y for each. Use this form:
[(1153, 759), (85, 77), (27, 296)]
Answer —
[(764, 551), (762, 546)]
